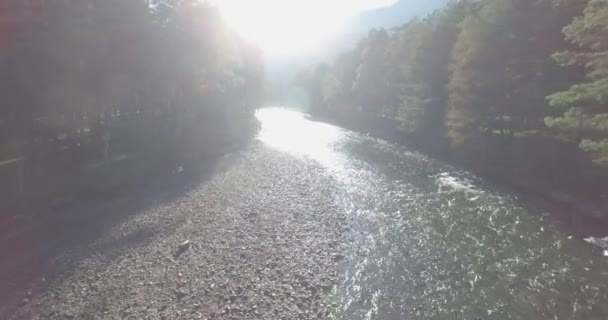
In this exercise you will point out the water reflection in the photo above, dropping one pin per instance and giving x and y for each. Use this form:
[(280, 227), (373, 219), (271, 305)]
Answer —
[(433, 242), (291, 132)]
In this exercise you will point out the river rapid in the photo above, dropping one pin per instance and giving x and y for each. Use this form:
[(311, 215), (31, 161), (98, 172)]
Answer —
[(430, 241)]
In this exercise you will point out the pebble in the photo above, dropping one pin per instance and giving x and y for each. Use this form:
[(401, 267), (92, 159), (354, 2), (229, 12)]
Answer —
[(269, 266)]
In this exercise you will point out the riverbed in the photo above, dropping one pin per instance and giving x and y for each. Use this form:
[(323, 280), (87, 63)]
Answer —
[(309, 221)]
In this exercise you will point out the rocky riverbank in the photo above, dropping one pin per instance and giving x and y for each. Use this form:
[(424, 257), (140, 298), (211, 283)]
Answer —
[(260, 239)]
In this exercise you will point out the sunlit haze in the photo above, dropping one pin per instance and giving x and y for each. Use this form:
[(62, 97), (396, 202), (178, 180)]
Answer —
[(284, 28)]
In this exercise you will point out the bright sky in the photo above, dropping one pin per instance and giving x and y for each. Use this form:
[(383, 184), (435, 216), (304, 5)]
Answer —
[(292, 28)]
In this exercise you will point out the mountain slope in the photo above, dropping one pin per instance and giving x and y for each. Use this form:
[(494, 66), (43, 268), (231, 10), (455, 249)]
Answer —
[(393, 16), (358, 27)]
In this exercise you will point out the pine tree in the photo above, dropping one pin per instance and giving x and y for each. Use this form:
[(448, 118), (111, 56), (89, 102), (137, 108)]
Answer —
[(586, 122), (422, 50)]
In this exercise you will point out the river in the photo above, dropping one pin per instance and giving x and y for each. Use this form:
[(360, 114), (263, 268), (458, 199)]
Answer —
[(429, 241)]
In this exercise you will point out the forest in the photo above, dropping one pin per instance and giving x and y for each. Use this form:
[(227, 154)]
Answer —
[(517, 90), (452, 167), (99, 93)]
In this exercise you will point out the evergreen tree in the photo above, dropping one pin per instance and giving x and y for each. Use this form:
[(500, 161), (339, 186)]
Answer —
[(371, 83), (422, 50), (501, 70), (586, 122)]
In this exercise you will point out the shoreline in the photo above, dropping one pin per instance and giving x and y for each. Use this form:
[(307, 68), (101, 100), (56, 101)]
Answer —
[(243, 243), (583, 216)]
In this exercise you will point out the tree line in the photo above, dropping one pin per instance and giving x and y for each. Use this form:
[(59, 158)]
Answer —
[(514, 88), (98, 92)]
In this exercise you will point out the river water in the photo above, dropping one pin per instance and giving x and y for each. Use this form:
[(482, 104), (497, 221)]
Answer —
[(430, 241)]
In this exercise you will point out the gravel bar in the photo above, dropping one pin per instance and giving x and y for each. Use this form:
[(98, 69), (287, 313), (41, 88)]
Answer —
[(260, 239)]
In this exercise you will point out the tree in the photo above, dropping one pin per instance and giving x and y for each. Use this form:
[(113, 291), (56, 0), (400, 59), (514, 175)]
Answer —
[(313, 81), (475, 60), (501, 70), (422, 52), (371, 83), (586, 122), (89, 82)]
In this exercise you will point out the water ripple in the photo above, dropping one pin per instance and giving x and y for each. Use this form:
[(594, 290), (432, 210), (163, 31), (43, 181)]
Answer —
[(432, 242)]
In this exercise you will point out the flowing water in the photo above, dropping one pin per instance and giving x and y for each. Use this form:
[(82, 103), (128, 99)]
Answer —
[(433, 242)]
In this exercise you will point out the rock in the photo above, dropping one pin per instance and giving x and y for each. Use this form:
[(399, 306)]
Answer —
[(262, 268), (600, 242), (24, 301), (179, 295), (183, 247)]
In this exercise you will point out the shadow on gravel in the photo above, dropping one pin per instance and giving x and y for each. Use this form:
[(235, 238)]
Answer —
[(29, 247)]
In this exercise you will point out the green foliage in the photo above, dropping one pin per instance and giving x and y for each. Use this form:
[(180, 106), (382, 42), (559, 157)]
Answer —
[(97, 80), (332, 89), (599, 150), (468, 70), (587, 119), (370, 85), (401, 74), (502, 70), (472, 80), (313, 81), (422, 50), (584, 94)]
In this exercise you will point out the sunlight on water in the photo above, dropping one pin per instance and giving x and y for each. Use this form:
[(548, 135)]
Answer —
[(291, 132), (429, 241), (448, 183)]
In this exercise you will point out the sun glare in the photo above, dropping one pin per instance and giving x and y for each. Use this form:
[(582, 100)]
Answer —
[(284, 28)]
